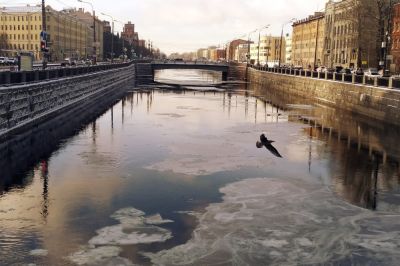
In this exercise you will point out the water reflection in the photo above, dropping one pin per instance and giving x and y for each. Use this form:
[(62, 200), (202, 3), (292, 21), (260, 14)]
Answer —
[(167, 152)]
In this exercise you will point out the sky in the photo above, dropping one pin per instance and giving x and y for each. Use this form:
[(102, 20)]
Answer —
[(187, 25)]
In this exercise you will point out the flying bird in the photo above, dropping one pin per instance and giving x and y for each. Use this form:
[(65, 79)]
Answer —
[(267, 144)]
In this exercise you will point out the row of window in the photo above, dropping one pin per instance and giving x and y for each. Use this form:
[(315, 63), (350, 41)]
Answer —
[(20, 47), (21, 18), (20, 27)]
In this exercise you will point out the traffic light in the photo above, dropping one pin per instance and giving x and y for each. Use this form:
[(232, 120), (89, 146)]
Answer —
[(43, 45)]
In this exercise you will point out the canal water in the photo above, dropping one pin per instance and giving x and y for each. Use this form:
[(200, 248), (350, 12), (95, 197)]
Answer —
[(172, 176)]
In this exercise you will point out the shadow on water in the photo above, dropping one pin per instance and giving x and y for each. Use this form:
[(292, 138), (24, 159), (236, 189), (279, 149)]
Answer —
[(363, 155), (20, 153)]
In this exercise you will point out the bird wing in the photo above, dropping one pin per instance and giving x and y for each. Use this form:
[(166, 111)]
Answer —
[(273, 150)]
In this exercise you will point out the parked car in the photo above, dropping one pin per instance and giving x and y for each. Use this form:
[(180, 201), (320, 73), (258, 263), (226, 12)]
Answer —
[(3, 60), (346, 71), (322, 69), (68, 62), (12, 61), (372, 72), (359, 71)]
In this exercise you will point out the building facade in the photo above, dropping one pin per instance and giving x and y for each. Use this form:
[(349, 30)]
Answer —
[(395, 36), (268, 51), (87, 18), (66, 35), (308, 41), (352, 33), (241, 53), (231, 49), (129, 34)]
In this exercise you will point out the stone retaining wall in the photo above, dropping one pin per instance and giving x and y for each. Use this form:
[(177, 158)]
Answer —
[(374, 102), (23, 106)]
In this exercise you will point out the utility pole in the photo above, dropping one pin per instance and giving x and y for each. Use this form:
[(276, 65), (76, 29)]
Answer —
[(44, 35), (94, 39)]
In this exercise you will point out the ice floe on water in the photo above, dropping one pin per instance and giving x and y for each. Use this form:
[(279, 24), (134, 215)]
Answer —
[(39, 253), (286, 222), (133, 228)]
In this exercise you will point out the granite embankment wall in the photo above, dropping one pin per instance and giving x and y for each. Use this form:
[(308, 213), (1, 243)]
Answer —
[(25, 106), (374, 102)]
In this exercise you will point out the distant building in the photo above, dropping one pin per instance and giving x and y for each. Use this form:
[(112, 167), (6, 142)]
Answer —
[(241, 53), (269, 51), (308, 41), (129, 34), (142, 43), (221, 54), (212, 53), (106, 26), (352, 33), (87, 18), (231, 49)]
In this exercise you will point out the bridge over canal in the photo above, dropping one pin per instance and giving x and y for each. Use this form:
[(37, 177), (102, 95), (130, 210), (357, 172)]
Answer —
[(145, 72)]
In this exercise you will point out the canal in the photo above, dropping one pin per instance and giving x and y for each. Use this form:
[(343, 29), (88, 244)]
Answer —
[(172, 176)]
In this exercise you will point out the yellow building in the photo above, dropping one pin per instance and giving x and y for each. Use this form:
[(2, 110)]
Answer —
[(21, 27), (308, 41)]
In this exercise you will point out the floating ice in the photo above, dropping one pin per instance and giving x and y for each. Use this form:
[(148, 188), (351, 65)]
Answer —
[(39, 253), (134, 228), (106, 255), (292, 223)]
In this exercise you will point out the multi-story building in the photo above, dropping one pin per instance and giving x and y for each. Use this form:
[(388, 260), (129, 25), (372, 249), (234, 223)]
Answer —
[(67, 36), (308, 41), (129, 34), (288, 50), (352, 33), (395, 36), (212, 53), (231, 49), (268, 51), (241, 53), (87, 18), (221, 53)]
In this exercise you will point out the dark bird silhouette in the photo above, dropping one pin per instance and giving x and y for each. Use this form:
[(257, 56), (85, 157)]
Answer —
[(267, 144)]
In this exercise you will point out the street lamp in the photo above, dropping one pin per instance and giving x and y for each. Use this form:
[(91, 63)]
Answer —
[(94, 30), (112, 36), (248, 45), (259, 40), (280, 45)]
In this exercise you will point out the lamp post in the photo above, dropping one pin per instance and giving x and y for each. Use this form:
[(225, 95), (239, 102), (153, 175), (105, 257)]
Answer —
[(112, 36), (259, 43), (248, 46), (280, 44), (43, 34), (94, 30)]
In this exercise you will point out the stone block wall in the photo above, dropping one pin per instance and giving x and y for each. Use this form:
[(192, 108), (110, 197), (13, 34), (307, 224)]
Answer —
[(373, 102), (26, 105)]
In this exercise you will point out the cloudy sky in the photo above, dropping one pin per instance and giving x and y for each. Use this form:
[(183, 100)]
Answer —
[(186, 25)]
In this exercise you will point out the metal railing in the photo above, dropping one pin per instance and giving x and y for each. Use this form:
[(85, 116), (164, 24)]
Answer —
[(8, 78), (376, 81)]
